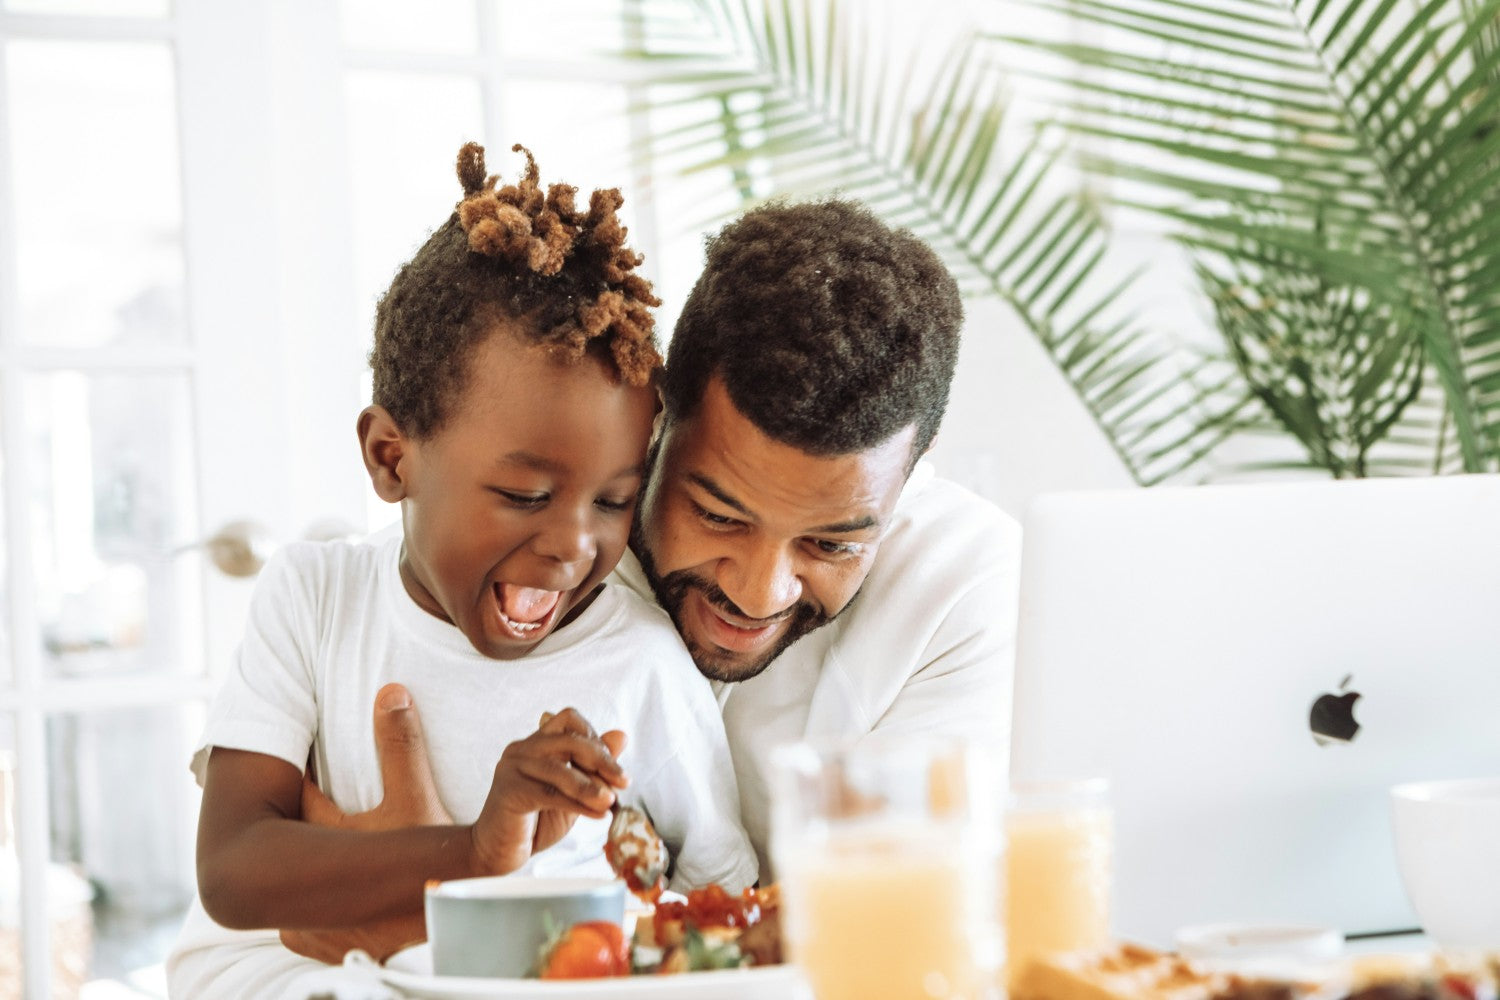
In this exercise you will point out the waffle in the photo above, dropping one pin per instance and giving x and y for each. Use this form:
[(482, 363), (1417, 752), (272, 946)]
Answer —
[(1132, 972), (1120, 972)]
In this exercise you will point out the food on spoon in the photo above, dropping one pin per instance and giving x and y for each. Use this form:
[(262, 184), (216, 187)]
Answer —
[(594, 949), (635, 851)]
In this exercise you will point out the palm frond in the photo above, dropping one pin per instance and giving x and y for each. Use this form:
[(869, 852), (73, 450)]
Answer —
[(1354, 141), (809, 98)]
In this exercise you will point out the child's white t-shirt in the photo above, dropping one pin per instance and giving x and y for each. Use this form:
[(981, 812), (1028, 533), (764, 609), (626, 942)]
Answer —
[(331, 623)]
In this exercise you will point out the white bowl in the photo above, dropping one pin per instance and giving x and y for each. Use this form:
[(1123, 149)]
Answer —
[(496, 926), (1448, 850)]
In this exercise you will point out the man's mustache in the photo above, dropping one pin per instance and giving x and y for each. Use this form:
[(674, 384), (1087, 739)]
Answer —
[(719, 599)]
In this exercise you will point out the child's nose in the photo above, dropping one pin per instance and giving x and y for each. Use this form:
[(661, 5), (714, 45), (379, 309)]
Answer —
[(566, 538)]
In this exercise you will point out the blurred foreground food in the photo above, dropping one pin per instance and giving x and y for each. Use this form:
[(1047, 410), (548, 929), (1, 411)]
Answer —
[(1132, 972)]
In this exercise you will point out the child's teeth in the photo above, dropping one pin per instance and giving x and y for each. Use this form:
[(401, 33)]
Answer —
[(520, 626)]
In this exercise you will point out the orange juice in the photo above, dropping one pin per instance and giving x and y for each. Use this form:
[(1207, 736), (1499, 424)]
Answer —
[(1057, 865), (876, 914)]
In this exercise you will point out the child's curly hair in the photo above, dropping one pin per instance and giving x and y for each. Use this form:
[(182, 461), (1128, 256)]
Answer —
[(510, 254)]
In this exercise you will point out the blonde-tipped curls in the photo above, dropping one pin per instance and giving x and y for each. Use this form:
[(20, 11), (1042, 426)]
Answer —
[(519, 224)]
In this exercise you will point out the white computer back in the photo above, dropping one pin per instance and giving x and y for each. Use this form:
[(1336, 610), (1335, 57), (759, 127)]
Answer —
[(1175, 641)]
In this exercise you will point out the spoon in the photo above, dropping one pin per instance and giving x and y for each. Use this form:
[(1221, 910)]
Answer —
[(632, 847)]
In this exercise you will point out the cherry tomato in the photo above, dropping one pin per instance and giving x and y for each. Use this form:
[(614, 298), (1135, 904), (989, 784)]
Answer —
[(591, 950)]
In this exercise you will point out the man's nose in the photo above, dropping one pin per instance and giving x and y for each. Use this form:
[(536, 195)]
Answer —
[(762, 583)]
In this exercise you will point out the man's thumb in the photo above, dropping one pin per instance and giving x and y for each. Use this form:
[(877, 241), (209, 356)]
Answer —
[(405, 771), (317, 807)]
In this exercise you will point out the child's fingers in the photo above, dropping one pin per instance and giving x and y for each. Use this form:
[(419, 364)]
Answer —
[(588, 755), (584, 745), (569, 720), (562, 787)]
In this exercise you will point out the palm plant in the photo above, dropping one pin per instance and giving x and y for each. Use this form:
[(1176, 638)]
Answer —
[(799, 98), (1334, 165)]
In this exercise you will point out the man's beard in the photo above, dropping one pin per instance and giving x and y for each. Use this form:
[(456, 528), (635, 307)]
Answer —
[(716, 664)]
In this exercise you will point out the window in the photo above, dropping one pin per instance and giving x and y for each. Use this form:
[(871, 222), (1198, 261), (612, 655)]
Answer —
[(199, 205)]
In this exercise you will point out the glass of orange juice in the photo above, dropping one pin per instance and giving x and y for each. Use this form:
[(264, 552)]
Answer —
[(1059, 851), (886, 858)]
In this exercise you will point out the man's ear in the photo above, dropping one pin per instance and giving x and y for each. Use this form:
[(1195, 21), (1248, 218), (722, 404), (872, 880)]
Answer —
[(658, 419), (383, 447)]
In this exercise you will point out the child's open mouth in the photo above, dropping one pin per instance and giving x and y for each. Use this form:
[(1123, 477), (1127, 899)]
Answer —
[(525, 612)]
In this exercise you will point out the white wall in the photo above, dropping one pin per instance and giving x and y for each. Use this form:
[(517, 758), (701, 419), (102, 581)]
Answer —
[(1015, 428)]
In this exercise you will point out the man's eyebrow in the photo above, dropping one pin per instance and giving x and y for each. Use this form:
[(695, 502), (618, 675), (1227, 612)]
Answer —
[(846, 527), (718, 492), (837, 528)]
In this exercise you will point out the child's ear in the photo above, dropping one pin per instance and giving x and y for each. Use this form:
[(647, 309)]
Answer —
[(383, 447)]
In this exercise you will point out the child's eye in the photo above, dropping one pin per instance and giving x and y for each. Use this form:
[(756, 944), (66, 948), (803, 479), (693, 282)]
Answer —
[(615, 506), (526, 500)]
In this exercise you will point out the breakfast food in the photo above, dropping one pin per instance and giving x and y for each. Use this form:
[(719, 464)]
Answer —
[(1421, 977), (593, 949), (711, 929), (1121, 972), (635, 851), (707, 929), (1132, 972)]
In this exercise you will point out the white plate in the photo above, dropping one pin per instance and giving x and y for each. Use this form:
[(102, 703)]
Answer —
[(411, 972)]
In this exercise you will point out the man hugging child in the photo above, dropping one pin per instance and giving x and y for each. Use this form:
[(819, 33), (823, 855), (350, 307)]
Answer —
[(514, 395)]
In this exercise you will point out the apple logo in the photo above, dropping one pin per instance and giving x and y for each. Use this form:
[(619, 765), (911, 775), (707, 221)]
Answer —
[(1332, 717)]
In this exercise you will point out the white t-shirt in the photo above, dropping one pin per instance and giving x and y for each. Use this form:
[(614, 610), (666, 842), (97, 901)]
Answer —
[(927, 648), (331, 623)]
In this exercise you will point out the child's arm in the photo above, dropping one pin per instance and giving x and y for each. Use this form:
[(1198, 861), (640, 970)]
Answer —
[(259, 866)]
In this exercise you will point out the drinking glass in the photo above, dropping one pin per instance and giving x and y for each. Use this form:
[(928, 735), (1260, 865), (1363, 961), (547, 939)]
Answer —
[(887, 858), (1059, 850)]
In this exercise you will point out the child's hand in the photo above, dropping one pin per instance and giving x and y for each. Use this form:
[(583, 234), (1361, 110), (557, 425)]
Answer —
[(542, 785)]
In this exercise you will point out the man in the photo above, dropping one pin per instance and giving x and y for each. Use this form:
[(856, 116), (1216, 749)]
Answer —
[(828, 581), (819, 573)]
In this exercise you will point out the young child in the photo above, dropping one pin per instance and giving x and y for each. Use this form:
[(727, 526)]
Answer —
[(513, 405)]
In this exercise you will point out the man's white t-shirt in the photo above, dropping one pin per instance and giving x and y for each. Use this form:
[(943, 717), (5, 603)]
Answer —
[(928, 646), (331, 623)]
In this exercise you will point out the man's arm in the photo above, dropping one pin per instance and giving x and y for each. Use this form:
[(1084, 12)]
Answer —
[(260, 866)]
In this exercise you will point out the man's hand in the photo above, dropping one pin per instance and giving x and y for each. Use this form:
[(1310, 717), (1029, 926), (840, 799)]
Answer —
[(411, 799), (542, 785)]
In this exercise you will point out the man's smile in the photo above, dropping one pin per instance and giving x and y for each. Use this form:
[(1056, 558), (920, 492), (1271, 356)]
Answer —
[(735, 632)]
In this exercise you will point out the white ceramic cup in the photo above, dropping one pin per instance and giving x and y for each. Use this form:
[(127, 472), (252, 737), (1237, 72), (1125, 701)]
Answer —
[(1448, 849), (495, 927)]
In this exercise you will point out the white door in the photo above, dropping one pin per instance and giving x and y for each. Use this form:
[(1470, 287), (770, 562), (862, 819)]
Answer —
[(199, 202)]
